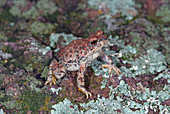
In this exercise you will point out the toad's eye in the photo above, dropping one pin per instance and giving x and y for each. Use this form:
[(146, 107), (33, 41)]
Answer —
[(93, 42)]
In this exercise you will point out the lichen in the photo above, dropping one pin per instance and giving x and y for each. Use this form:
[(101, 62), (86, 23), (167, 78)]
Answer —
[(5, 55), (54, 38), (165, 75), (118, 103), (44, 72), (153, 62), (41, 48), (38, 28), (10, 104), (33, 83), (3, 2), (56, 90), (65, 107), (1, 111), (3, 37), (125, 7), (110, 104), (164, 13), (42, 8)]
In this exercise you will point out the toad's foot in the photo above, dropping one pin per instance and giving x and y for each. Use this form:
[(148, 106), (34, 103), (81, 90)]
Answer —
[(85, 92), (51, 79), (111, 67)]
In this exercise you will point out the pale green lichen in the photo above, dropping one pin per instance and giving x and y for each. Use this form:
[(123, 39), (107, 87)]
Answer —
[(16, 11), (10, 104), (54, 38), (41, 48), (103, 83), (44, 50), (125, 7), (164, 13), (33, 83), (5, 55), (38, 28), (165, 75), (3, 37), (1, 111), (46, 7), (115, 103), (108, 105), (153, 62), (165, 33), (3, 2), (44, 73), (56, 90), (42, 8), (102, 105), (65, 107)]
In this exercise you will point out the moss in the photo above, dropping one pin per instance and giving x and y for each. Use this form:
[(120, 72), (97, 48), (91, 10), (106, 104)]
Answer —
[(33, 101), (1, 78), (6, 16), (47, 106)]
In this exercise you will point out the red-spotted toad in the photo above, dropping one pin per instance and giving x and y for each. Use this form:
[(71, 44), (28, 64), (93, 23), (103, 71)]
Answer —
[(77, 56)]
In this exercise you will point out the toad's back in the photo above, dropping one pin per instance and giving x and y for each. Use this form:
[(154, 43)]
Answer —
[(82, 51), (74, 53)]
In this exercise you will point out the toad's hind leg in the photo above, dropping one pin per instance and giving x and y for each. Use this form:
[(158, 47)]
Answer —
[(56, 71), (80, 81)]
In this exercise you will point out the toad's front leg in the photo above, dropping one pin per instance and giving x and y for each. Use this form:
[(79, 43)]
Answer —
[(56, 71), (110, 64), (80, 81)]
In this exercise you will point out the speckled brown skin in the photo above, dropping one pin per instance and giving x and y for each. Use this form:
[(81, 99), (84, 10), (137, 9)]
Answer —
[(77, 56)]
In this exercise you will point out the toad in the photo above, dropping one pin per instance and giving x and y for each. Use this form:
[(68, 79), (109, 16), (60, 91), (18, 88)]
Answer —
[(77, 56)]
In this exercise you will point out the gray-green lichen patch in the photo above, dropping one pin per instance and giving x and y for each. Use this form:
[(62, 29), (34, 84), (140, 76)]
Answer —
[(164, 13), (38, 28), (125, 7), (55, 37), (165, 75), (117, 102), (153, 62), (5, 55), (65, 107), (3, 37), (42, 8)]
